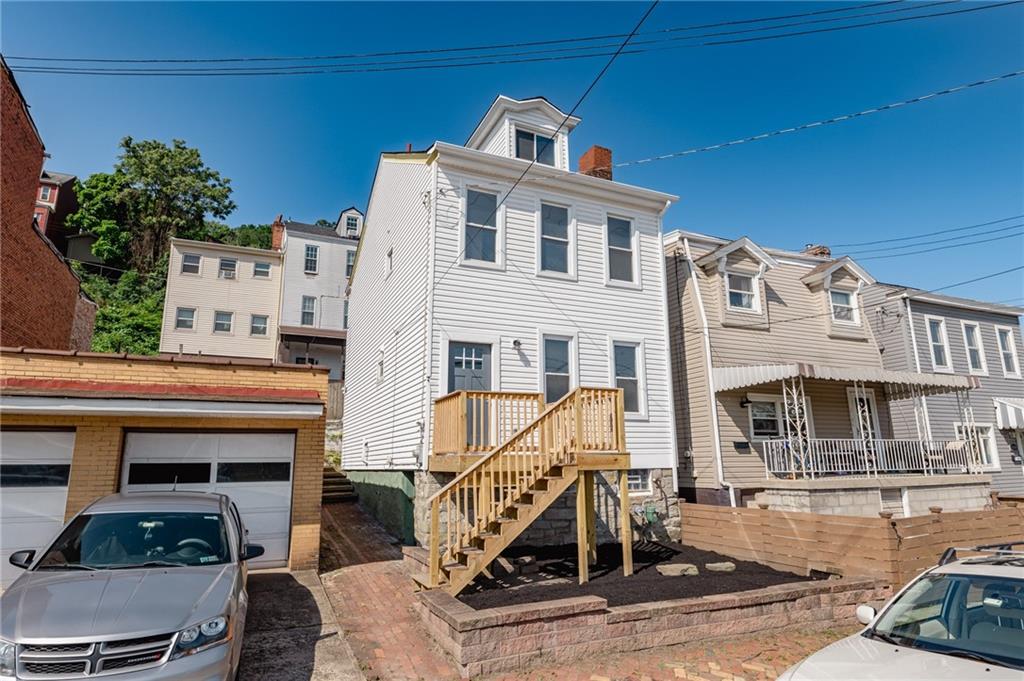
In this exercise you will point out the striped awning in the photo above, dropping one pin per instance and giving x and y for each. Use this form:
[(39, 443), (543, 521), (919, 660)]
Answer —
[(731, 378), (1009, 413)]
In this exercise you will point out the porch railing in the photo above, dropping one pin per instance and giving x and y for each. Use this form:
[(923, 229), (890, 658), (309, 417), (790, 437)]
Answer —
[(476, 421), (867, 458)]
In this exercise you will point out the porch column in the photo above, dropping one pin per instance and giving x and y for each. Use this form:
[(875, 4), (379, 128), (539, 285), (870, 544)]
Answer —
[(582, 552), (797, 429), (626, 524), (867, 437)]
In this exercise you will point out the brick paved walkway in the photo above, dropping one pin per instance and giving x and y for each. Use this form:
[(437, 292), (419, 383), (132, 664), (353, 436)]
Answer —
[(373, 596)]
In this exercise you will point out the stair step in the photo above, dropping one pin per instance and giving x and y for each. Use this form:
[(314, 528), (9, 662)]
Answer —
[(488, 535), (520, 504), (454, 566), (505, 520), (471, 551)]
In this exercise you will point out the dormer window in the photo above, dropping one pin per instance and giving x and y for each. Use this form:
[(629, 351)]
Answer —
[(531, 146), (351, 225), (742, 291), (844, 306)]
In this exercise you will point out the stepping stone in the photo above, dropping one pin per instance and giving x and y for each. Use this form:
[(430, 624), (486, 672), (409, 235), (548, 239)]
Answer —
[(720, 567), (678, 570), (526, 565)]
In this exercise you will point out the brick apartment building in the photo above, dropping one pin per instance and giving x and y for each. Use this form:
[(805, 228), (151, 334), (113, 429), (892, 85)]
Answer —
[(41, 303)]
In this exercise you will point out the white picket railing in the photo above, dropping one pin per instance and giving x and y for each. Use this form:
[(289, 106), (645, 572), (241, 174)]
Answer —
[(825, 457)]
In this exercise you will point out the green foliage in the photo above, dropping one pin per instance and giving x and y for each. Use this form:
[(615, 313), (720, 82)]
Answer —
[(329, 224), (101, 212), (130, 310), (252, 236)]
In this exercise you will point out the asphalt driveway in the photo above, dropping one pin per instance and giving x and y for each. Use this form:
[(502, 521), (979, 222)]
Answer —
[(291, 633)]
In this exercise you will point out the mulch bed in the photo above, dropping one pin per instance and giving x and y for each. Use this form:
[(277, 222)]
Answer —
[(557, 576)]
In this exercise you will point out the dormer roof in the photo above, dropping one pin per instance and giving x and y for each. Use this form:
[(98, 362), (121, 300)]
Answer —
[(742, 244), (823, 272), (351, 209), (503, 105)]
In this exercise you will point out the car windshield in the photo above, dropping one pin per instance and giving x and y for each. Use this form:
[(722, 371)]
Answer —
[(974, 617), (127, 540)]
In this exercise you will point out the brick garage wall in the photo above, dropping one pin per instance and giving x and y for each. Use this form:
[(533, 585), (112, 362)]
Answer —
[(99, 440), (38, 293), (514, 638)]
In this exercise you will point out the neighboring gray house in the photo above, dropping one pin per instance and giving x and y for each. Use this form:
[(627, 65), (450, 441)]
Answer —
[(931, 333)]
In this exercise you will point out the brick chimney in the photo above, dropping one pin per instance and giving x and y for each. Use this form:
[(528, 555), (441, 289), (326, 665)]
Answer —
[(597, 162), (277, 234), (819, 250)]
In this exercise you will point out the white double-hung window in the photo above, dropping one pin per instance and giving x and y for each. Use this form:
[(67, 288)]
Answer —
[(742, 292), (222, 321), (765, 419), (555, 246), (350, 261), (308, 310), (312, 259), (844, 306), (976, 362), (626, 361), (531, 146), (938, 344), (557, 363), (985, 439), (481, 235), (190, 263), (621, 250), (185, 318), (1008, 351)]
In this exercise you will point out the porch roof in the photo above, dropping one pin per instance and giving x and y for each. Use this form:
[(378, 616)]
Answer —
[(731, 378), (1009, 413)]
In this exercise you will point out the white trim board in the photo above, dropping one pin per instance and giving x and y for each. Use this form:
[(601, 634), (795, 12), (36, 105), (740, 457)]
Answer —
[(84, 406)]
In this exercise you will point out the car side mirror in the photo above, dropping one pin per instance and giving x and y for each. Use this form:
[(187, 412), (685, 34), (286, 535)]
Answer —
[(251, 551), (22, 559), (865, 614)]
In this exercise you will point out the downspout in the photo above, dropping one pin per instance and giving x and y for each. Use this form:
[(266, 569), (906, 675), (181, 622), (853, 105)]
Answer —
[(917, 365), (712, 396), (428, 413)]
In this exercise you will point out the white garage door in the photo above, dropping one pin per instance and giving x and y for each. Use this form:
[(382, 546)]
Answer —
[(34, 471), (254, 469)]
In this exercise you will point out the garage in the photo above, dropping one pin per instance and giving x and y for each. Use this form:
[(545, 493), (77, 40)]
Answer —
[(253, 468), (35, 467)]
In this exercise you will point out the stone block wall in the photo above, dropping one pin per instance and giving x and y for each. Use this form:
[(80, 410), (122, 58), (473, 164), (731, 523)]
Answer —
[(860, 502), (973, 497)]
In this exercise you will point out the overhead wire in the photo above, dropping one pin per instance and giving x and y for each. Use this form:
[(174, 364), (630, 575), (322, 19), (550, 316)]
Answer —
[(924, 234)]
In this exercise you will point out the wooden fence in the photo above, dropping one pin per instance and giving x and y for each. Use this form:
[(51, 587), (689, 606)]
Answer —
[(892, 549), (335, 400)]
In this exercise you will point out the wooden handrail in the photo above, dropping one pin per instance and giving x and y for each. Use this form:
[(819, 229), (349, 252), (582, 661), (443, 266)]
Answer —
[(585, 420), (475, 421)]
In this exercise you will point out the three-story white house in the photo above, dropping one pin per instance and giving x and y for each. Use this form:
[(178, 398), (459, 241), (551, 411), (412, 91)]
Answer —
[(460, 285), (221, 300), (317, 263)]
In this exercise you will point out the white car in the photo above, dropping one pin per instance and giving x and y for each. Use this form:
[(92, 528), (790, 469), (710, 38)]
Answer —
[(959, 621)]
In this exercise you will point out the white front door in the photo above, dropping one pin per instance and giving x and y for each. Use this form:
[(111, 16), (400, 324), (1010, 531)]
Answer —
[(254, 469), (34, 470)]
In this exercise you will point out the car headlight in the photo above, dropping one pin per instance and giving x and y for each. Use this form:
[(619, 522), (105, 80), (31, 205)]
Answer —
[(7, 658), (200, 637)]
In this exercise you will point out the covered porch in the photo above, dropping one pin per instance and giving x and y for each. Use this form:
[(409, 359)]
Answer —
[(812, 421)]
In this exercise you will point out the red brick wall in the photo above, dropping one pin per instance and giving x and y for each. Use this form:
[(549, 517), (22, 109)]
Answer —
[(38, 293)]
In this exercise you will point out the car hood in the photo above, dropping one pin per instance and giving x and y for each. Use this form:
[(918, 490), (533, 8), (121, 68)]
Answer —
[(864, 659), (107, 604)]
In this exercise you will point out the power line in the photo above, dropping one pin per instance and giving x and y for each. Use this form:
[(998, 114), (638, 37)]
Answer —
[(933, 241), (918, 236), (818, 124), (474, 48), (270, 71), (943, 248)]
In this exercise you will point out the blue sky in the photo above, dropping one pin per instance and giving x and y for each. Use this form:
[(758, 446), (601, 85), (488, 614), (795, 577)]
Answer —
[(306, 146)]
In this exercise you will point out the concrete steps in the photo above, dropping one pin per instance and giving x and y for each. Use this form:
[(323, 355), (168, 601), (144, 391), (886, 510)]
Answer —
[(337, 488)]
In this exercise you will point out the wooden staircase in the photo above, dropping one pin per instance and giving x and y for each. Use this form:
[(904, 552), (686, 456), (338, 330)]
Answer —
[(482, 511)]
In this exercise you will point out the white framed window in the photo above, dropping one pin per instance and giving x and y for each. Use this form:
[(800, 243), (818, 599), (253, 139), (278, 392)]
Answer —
[(844, 306), (1008, 351), (638, 481), (765, 418), (351, 225), (44, 193), (555, 247), (627, 373), (977, 363), (742, 292), (190, 263), (938, 344), (308, 311), (985, 436), (222, 321), (261, 270), (480, 237), (557, 363), (258, 325), (532, 146), (620, 239), (228, 268), (185, 318), (350, 261), (311, 265)]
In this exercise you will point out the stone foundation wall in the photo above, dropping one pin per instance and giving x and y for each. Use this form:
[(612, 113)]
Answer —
[(949, 498), (865, 501), (515, 638)]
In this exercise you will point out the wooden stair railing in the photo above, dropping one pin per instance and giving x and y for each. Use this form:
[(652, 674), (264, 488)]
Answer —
[(476, 421), (479, 513)]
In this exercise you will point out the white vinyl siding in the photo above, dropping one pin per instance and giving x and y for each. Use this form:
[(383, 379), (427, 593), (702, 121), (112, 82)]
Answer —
[(938, 344)]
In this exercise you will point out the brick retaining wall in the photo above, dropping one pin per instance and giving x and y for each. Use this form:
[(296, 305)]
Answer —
[(514, 638)]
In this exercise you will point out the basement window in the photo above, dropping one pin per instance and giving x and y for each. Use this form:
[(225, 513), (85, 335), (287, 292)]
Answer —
[(638, 481)]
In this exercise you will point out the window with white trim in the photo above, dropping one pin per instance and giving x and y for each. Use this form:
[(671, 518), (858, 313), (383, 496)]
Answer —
[(258, 324), (1008, 351), (554, 238), (190, 263), (481, 237), (228, 268), (844, 306), (621, 260), (742, 292), (222, 321), (261, 270), (185, 318), (308, 311), (976, 362), (351, 225), (985, 437), (44, 193), (938, 343), (626, 357), (557, 367), (350, 261), (765, 419), (312, 259), (638, 481), (531, 146)]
